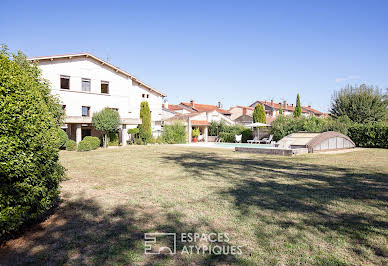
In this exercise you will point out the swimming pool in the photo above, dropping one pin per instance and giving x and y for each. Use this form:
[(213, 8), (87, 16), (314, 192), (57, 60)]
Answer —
[(247, 145)]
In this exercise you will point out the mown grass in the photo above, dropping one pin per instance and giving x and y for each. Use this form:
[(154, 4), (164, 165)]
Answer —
[(310, 209)]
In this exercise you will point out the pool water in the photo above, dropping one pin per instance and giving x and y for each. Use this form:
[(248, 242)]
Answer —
[(248, 145)]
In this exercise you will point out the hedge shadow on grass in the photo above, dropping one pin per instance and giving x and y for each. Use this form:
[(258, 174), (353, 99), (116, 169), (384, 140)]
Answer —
[(281, 186), (81, 232)]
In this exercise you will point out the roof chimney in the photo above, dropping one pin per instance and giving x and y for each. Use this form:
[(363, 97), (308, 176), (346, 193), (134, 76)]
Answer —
[(192, 103), (271, 102), (219, 105), (285, 104), (292, 105), (309, 106), (244, 111)]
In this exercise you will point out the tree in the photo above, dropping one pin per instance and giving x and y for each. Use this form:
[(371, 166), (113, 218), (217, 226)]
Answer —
[(361, 104), (29, 168), (259, 114), (298, 108), (107, 121), (145, 130), (174, 133), (280, 110)]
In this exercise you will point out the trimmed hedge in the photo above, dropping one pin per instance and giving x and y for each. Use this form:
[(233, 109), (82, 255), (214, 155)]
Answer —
[(62, 138), (89, 143), (71, 145), (29, 167), (371, 135)]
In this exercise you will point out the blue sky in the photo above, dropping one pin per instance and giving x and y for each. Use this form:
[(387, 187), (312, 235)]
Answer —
[(235, 52)]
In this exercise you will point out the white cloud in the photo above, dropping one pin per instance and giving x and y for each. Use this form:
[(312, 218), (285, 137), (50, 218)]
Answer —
[(347, 78)]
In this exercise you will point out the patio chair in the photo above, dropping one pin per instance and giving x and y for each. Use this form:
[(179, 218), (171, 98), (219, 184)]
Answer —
[(238, 138), (200, 138), (267, 140), (254, 140), (218, 139)]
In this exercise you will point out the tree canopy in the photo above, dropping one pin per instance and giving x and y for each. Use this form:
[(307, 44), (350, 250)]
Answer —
[(107, 121), (298, 107), (259, 114), (361, 104), (145, 130)]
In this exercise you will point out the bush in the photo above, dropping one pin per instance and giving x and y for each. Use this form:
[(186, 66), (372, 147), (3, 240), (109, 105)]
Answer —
[(372, 135), (113, 139), (62, 138), (139, 141), (285, 125), (227, 133), (174, 133), (195, 132), (29, 169), (89, 143), (71, 145)]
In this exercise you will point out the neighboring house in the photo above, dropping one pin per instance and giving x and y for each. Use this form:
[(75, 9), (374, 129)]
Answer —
[(242, 115), (272, 109), (197, 107), (86, 84), (197, 116)]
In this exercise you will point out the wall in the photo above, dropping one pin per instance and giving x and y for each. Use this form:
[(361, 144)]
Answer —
[(124, 94)]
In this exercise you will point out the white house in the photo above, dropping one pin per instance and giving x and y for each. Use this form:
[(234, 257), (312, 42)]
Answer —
[(86, 84)]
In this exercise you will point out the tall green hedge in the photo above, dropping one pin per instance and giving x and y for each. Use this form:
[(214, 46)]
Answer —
[(145, 130), (371, 135), (29, 169)]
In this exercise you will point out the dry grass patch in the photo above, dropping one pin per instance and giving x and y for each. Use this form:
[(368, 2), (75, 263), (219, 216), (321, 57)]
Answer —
[(313, 209)]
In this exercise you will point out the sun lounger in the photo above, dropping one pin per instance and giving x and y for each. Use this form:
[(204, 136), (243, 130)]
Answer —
[(267, 140), (254, 140)]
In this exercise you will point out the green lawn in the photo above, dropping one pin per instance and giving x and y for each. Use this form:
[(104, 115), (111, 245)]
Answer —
[(309, 209)]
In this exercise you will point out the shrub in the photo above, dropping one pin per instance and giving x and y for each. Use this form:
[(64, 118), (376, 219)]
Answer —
[(246, 135), (139, 141), (196, 133), (89, 143), (71, 145), (29, 169), (145, 131), (227, 137), (62, 138), (174, 133), (372, 135), (285, 125), (113, 139), (259, 114)]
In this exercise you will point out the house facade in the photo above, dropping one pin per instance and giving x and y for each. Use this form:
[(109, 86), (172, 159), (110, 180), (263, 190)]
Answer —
[(86, 84)]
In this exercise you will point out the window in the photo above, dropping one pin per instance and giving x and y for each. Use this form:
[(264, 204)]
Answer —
[(64, 109), (143, 95), (85, 84), (148, 95), (65, 82), (85, 111), (105, 87)]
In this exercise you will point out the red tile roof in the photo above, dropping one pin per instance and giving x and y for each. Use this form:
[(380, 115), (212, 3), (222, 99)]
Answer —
[(205, 108), (304, 109)]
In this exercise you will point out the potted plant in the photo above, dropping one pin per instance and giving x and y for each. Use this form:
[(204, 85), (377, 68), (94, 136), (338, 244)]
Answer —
[(195, 134)]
